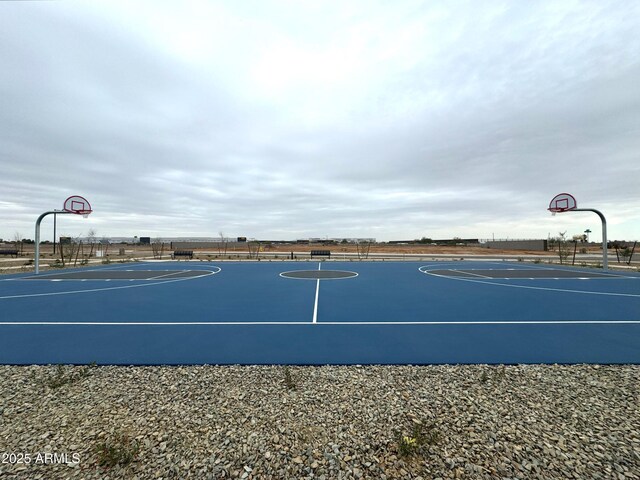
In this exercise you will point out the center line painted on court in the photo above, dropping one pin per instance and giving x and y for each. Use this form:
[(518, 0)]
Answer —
[(315, 305)]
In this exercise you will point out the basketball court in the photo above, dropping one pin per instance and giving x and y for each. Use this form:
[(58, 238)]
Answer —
[(197, 312), (320, 313)]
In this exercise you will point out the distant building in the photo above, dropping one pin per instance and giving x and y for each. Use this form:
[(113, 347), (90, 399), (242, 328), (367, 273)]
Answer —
[(145, 240)]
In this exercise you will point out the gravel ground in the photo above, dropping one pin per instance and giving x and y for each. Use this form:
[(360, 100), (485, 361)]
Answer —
[(274, 422)]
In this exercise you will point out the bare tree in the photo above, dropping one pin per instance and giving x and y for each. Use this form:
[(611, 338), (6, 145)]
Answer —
[(91, 238), (254, 248), (79, 248), (630, 253), (563, 246), (104, 244), (63, 248), (17, 240), (69, 249), (157, 247), (222, 244), (363, 247)]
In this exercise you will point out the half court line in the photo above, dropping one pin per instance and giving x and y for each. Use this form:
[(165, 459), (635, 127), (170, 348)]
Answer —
[(315, 305)]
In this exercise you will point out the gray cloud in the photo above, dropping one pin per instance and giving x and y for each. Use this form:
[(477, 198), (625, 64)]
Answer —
[(341, 120)]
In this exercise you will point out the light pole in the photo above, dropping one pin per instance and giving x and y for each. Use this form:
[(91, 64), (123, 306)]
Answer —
[(54, 233)]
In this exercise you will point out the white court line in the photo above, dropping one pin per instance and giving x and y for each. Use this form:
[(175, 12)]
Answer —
[(466, 272), (315, 305), (506, 322), (141, 266), (598, 275), (175, 272), (108, 279), (564, 290), (602, 275), (91, 290), (47, 277), (284, 275)]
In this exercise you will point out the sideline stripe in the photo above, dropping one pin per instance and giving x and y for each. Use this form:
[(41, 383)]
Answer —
[(506, 322)]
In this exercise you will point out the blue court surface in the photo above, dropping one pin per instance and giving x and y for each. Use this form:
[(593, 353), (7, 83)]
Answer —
[(320, 313)]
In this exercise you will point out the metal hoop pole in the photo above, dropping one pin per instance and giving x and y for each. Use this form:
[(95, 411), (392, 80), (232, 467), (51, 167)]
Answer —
[(37, 252), (605, 263)]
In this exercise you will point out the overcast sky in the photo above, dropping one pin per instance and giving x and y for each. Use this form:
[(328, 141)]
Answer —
[(293, 119)]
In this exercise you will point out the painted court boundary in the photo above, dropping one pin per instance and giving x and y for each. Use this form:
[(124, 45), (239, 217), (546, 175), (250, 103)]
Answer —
[(220, 313), (500, 322)]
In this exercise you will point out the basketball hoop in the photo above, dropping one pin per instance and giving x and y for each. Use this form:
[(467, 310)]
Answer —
[(563, 202), (74, 204), (78, 205)]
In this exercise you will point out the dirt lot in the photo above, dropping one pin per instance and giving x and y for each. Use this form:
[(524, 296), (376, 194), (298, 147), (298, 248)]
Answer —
[(406, 249)]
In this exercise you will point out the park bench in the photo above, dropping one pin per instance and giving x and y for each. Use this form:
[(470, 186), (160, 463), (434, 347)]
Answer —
[(9, 251), (320, 253), (183, 253)]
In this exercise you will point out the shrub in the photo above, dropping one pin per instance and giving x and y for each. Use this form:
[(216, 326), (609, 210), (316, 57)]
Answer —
[(421, 436), (118, 449), (288, 380), (62, 376)]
